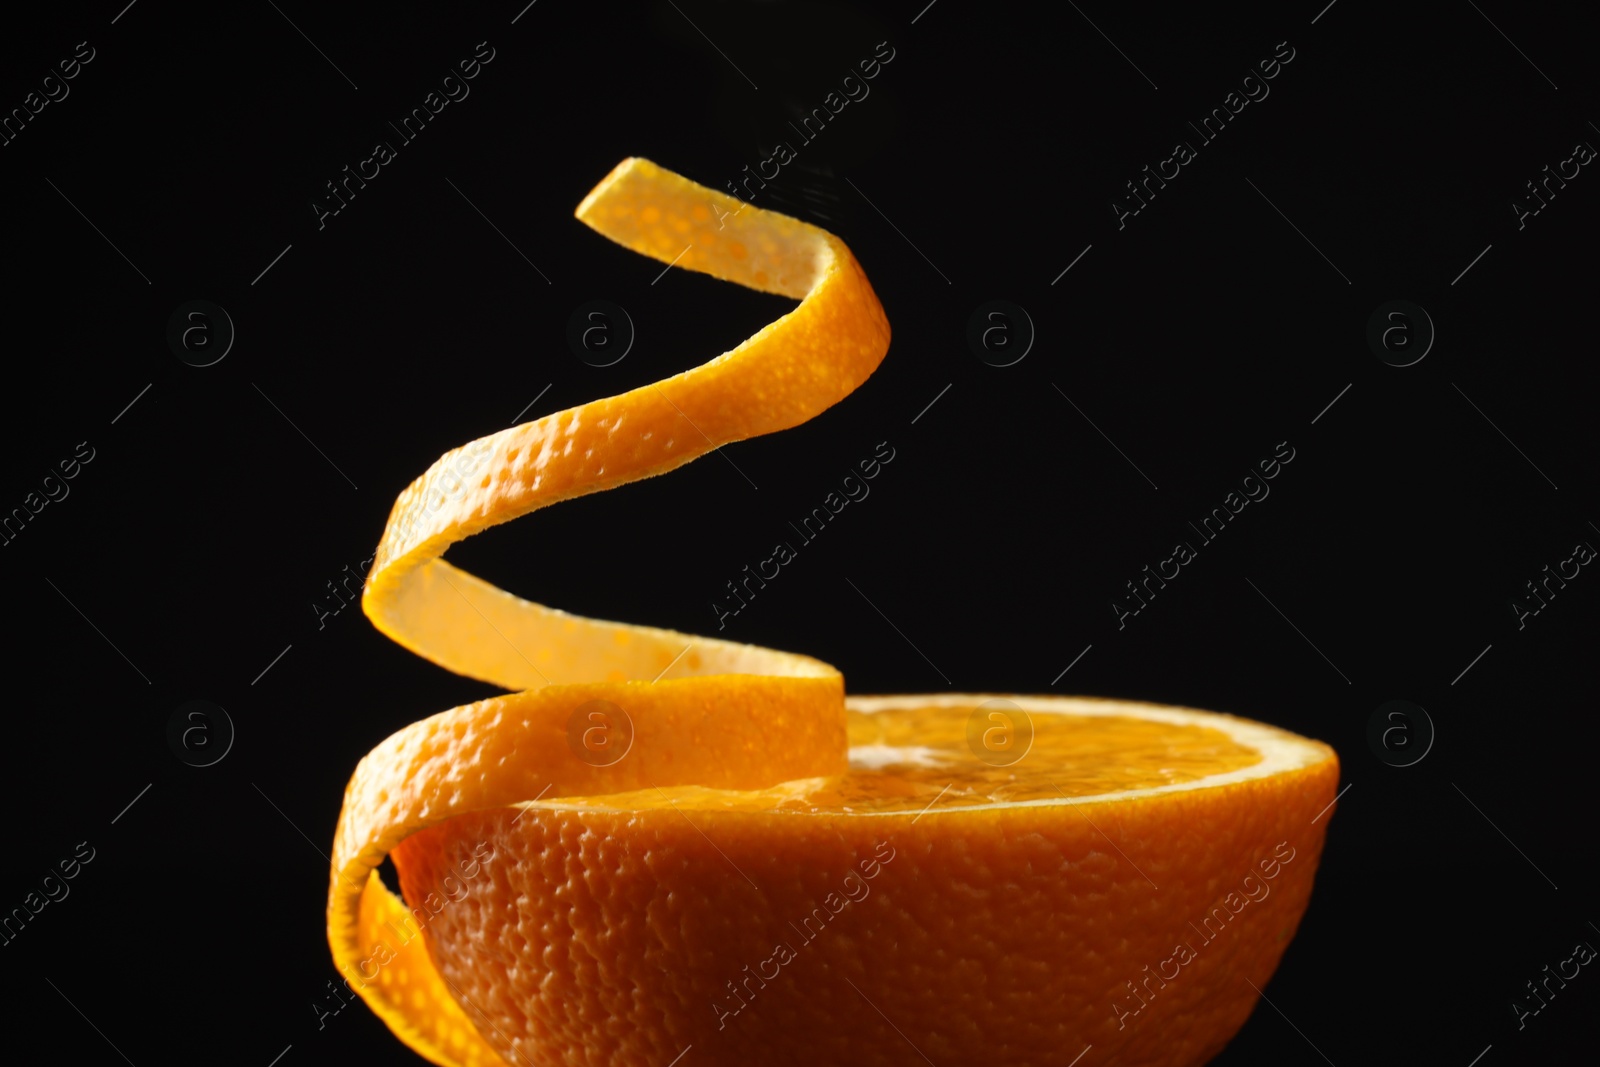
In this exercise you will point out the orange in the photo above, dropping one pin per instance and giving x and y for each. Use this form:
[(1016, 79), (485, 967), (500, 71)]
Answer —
[(664, 847)]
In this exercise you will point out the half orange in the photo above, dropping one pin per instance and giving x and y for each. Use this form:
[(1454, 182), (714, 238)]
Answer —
[(667, 848)]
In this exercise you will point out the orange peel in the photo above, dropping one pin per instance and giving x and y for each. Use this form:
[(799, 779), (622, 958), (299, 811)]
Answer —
[(715, 725)]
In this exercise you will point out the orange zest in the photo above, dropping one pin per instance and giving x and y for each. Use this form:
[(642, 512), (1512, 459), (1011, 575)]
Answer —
[(562, 909), (716, 723)]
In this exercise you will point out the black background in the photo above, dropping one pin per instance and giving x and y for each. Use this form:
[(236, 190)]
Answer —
[(1197, 337)]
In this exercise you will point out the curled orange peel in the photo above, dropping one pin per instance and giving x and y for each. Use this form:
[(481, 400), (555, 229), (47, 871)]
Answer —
[(704, 711)]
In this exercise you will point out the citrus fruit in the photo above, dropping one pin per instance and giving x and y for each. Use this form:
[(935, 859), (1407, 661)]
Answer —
[(663, 848)]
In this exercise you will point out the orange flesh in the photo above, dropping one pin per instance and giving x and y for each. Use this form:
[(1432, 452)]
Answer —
[(1071, 756)]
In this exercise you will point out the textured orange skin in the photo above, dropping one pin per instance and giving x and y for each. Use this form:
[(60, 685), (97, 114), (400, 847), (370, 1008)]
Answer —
[(999, 937), (736, 716)]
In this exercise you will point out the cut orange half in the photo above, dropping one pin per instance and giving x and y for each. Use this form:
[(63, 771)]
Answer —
[(665, 848)]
